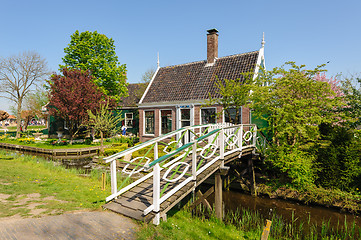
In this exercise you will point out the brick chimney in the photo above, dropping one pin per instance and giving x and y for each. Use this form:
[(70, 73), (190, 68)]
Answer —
[(212, 45)]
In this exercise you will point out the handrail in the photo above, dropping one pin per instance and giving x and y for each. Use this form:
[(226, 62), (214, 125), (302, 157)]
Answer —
[(161, 159), (207, 144), (150, 142)]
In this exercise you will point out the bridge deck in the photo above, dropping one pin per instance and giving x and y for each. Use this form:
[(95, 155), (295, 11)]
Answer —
[(133, 202)]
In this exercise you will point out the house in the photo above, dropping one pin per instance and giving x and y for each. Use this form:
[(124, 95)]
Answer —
[(129, 108), (176, 94)]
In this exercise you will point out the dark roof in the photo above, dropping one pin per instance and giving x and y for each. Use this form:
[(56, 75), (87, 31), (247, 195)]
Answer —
[(135, 92), (194, 81)]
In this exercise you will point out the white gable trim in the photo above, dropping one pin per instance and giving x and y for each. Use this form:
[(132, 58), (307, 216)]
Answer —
[(259, 61), (151, 81)]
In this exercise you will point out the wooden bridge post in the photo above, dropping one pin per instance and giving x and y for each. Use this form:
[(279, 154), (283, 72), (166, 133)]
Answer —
[(218, 195), (252, 175)]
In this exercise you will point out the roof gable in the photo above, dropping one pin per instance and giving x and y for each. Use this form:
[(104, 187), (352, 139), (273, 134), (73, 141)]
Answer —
[(135, 91), (195, 81)]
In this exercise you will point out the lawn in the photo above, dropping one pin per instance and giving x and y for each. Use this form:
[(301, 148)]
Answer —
[(31, 186)]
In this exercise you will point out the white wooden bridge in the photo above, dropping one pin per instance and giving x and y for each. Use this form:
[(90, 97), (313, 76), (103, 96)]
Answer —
[(171, 166)]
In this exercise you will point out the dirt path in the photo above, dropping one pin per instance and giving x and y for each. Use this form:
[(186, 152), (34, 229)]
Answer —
[(78, 225)]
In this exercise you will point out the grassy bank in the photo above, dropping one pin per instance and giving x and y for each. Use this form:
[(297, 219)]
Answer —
[(350, 202), (31, 186), (243, 225), (183, 226)]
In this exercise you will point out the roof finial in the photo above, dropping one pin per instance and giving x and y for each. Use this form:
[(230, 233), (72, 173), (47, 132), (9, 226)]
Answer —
[(263, 42), (158, 60)]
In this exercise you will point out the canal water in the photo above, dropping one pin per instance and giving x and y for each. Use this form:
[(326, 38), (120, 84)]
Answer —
[(265, 206), (235, 200)]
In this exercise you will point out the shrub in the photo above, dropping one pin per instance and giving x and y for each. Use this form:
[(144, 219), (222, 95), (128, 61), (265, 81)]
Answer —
[(115, 149), (340, 156), (27, 140), (294, 165)]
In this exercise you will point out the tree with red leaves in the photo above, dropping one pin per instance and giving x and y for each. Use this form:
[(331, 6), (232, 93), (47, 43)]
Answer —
[(72, 95)]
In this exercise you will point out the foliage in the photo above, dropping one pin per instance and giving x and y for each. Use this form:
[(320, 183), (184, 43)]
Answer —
[(294, 103), (3, 115), (72, 95), (294, 166), (35, 101), (95, 52), (26, 140), (339, 155), (352, 91), (62, 142), (104, 122), (18, 74), (234, 94), (146, 78), (182, 225)]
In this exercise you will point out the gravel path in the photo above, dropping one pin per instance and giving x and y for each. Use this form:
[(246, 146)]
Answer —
[(79, 225)]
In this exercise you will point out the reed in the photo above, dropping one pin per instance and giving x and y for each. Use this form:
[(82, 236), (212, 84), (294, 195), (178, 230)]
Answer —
[(253, 221)]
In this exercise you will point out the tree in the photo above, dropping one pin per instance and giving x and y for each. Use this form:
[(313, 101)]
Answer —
[(3, 115), (103, 121), (144, 82), (72, 95), (34, 104), (234, 94), (351, 89), (18, 74), (96, 53), (294, 103)]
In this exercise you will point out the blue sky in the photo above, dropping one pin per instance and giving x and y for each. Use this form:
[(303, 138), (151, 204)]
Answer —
[(307, 32)]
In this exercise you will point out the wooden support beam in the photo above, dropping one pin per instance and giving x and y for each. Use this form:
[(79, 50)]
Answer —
[(252, 177), (218, 195), (266, 230), (202, 198)]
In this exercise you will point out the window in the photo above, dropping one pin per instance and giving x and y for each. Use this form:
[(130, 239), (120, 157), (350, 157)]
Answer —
[(185, 117), (208, 115), (166, 121), (129, 120), (149, 122), (230, 115)]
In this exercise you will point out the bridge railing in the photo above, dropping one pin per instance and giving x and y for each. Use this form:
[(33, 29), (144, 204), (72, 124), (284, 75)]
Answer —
[(146, 152), (187, 153)]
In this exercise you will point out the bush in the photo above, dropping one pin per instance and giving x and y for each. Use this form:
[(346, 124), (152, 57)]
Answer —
[(115, 149), (293, 165), (339, 155)]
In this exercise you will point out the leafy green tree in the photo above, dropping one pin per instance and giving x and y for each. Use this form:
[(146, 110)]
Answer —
[(35, 102), (352, 90), (104, 122), (96, 52), (234, 93), (294, 103)]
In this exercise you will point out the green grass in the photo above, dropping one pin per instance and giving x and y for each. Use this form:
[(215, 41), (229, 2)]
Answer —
[(183, 226), (49, 146), (29, 127), (25, 175)]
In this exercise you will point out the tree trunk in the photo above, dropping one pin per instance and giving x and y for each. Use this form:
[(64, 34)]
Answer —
[(18, 119), (101, 142)]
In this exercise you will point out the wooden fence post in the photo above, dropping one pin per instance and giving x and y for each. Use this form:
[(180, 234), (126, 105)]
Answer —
[(266, 230), (218, 195)]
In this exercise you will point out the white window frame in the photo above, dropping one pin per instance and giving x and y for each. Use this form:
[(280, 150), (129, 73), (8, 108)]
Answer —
[(126, 119), (224, 115), (160, 119), (200, 113), (144, 133)]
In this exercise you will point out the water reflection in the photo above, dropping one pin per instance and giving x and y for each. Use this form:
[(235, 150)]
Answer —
[(267, 206)]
